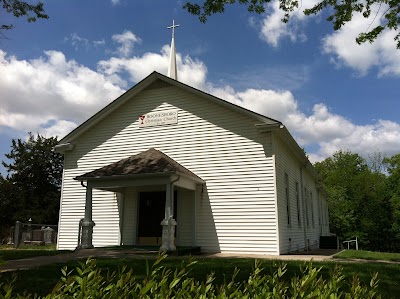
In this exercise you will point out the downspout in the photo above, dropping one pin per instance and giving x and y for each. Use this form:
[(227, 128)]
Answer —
[(304, 209), (172, 195), (86, 239), (80, 225), (121, 226)]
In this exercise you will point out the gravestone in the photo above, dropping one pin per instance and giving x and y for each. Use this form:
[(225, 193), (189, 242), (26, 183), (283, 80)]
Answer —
[(48, 235)]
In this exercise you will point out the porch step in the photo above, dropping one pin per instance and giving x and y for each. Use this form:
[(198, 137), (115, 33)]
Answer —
[(192, 250), (154, 249)]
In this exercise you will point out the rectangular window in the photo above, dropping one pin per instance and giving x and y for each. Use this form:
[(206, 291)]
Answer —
[(298, 204), (287, 198), (306, 205), (319, 210)]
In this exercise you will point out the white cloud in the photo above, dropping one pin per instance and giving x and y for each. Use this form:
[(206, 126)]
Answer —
[(51, 95), (322, 129), (50, 88), (80, 42), (127, 41), (273, 30), (138, 67), (382, 54), (59, 128), (115, 2)]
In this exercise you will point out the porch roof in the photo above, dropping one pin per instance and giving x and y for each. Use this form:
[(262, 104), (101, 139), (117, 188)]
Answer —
[(150, 162)]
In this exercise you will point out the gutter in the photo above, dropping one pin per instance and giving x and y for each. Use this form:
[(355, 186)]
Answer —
[(63, 148)]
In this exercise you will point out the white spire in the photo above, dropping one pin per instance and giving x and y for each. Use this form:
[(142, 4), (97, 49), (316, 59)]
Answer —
[(172, 72)]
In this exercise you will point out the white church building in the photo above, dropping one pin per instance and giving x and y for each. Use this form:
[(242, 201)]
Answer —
[(169, 165)]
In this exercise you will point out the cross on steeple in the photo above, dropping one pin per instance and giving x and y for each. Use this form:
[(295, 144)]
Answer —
[(172, 72), (173, 28)]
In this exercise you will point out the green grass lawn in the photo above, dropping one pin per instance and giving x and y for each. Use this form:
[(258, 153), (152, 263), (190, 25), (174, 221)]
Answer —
[(43, 279), (368, 255)]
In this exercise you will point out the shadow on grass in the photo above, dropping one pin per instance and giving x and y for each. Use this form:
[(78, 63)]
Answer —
[(16, 254)]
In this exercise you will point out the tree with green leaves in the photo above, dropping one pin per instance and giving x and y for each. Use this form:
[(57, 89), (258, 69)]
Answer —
[(18, 8), (33, 182), (358, 200), (393, 186), (339, 12), (7, 206)]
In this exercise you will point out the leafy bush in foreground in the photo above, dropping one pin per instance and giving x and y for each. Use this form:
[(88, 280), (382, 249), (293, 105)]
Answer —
[(160, 282)]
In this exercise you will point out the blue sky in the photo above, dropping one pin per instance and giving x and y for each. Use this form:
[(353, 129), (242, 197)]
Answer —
[(330, 92)]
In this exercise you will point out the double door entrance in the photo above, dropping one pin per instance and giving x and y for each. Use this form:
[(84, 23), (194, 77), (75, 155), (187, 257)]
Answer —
[(151, 213)]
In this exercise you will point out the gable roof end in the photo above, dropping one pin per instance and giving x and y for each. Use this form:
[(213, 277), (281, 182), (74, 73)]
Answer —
[(154, 76)]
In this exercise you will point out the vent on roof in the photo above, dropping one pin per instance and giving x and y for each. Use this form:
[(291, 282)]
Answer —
[(158, 84)]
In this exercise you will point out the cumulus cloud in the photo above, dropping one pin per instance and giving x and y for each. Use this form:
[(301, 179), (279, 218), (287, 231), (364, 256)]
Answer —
[(58, 128), (191, 71), (126, 41), (50, 88), (321, 129), (382, 54), (273, 30), (341, 46), (52, 95)]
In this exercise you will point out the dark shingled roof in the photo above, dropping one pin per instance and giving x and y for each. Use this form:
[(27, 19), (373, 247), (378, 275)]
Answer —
[(151, 161)]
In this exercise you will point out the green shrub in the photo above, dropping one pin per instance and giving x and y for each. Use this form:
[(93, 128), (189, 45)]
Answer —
[(87, 281)]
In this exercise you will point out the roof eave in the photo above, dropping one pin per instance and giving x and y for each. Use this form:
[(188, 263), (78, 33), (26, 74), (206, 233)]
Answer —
[(124, 176), (141, 175), (294, 146), (63, 147), (197, 179)]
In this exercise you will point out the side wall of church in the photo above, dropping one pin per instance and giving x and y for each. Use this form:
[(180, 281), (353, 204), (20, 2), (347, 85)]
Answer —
[(301, 207), (234, 210)]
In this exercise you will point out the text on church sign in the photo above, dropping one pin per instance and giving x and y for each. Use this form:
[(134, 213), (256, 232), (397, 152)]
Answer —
[(160, 118)]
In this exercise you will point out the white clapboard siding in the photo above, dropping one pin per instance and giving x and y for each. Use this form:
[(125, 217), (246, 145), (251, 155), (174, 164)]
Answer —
[(286, 163), (296, 236), (129, 227), (220, 145), (185, 218), (313, 230)]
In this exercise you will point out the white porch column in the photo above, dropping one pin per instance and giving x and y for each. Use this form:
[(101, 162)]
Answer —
[(169, 223), (87, 224)]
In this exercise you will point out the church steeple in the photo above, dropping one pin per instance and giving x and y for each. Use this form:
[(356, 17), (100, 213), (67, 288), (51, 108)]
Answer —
[(172, 71)]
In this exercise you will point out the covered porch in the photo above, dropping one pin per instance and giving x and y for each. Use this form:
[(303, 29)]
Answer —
[(156, 198)]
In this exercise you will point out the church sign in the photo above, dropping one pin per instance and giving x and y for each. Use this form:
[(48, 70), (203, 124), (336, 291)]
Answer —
[(159, 118)]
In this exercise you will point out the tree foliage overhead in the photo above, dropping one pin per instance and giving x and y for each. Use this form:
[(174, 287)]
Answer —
[(32, 186), (18, 8), (340, 12)]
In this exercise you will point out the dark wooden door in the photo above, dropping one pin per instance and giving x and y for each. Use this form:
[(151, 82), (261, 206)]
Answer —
[(151, 213)]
